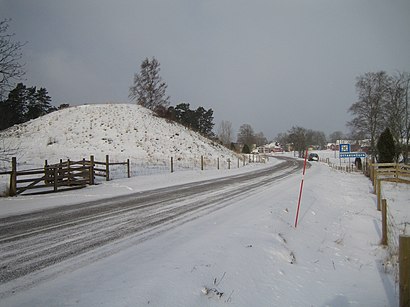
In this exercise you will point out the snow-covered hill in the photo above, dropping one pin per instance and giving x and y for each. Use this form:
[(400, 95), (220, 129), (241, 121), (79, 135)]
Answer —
[(121, 130)]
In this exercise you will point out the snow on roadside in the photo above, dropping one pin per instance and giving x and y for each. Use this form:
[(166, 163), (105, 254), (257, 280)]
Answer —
[(250, 252), (27, 203)]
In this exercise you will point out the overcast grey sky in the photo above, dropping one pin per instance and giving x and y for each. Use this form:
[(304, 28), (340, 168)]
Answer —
[(272, 64)]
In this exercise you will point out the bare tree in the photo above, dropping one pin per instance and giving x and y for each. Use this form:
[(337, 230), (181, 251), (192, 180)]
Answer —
[(398, 111), (260, 139), (316, 138), (246, 135), (298, 137), (406, 86), (282, 138), (148, 89), (335, 136), (225, 132), (395, 110), (11, 69), (368, 110)]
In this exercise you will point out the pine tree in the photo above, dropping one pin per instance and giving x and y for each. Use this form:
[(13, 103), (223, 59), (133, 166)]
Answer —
[(386, 147), (24, 103), (149, 89), (246, 149), (14, 108), (42, 104), (205, 121)]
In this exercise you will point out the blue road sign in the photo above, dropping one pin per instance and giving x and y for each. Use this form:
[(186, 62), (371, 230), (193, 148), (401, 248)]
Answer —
[(344, 148), (352, 155)]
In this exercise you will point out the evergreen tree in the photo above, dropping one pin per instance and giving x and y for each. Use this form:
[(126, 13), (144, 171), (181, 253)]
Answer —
[(14, 108), (206, 123), (24, 103), (149, 89), (386, 147), (63, 106), (200, 120), (246, 149), (184, 115), (44, 101)]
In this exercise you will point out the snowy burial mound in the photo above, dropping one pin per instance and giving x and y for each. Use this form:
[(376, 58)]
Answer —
[(121, 131)]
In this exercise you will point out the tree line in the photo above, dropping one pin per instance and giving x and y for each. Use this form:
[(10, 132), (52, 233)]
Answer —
[(149, 90), (301, 138), (18, 103), (382, 104), (381, 115), (23, 104)]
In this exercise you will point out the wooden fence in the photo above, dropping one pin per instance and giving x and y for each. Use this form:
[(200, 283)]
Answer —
[(397, 244), (349, 167), (61, 176), (75, 174), (395, 172), (398, 247)]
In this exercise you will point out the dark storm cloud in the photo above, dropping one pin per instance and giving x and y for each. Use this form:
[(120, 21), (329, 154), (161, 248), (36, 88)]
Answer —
[(272, 64)]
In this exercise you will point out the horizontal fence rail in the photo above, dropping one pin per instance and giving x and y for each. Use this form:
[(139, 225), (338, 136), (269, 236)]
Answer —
[(60, 176), (394, 235), (70, 174)]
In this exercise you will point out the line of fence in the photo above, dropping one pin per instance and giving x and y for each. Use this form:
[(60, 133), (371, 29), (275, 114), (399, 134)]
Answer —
[(76, 174), (394, 236), (394, 172), (398, 248), (347, 167), (60, 176)]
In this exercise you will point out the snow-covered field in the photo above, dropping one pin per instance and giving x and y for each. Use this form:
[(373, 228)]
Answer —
[(247, 254)]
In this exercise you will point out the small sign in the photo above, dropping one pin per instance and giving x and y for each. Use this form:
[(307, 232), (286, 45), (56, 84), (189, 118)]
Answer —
[(344, 148), (352, 155)]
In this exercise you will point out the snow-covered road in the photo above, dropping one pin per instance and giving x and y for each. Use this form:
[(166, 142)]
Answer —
[(243, 251), (34, 241)]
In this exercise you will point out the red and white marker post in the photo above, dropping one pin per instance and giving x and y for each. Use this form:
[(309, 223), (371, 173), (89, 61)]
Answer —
[(301, 189)]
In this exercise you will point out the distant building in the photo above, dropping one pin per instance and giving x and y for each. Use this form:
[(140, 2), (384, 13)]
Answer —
[(273, 147)]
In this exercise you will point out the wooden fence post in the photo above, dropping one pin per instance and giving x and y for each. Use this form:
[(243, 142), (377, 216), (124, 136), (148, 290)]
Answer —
[(404, 270), (107, 168), (202, 163), (83, 171), (371, 171), (384, 222), (55, 173), (375, 175), (217, 163), (91, 170), (68, 172), (60, 168), (13, 177), (46, 173), (172, 164), (379, 194), (238, 162), (128, 168), (229, 163)]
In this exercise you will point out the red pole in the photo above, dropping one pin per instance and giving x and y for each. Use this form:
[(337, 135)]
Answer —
[(301, 188)]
